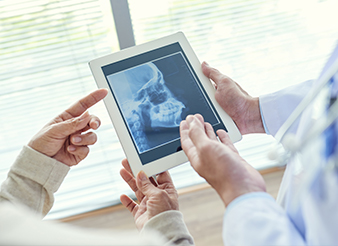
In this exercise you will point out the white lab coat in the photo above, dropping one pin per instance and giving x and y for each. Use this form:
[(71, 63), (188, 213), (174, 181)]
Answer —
[(306, 211)]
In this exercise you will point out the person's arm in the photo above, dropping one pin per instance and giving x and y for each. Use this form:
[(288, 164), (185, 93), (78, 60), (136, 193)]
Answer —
[(158, 209), (32, 181), (42, 165), (261, 220), (253, 217), (250, 113), (20, 226), (38, 173)]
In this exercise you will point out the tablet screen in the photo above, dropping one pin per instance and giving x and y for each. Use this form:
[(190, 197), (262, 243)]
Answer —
[(154, 92)]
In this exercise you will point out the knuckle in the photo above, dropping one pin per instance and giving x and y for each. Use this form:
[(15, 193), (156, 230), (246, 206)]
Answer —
[(162, 194), (130, 206), (215, 71), (224, 79), (206, 147), (74, 123), (84, 104), (145, 186), (132, 185), (203, 149)]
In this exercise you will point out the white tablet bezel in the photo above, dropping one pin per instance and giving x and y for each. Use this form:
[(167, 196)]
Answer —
[(131, 153)]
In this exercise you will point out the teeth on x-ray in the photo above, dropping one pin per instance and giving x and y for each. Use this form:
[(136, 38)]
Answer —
[(167, 114), (156, 101)]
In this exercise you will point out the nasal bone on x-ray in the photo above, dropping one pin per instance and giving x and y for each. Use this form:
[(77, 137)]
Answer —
[(152, 104)]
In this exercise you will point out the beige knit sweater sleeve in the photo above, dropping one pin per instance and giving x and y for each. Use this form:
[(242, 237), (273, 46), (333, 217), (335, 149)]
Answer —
[(32, 181)]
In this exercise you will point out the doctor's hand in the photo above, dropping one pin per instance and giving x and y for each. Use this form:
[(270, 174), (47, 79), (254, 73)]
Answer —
[(218, 162), (237, 103), (66, 137), (154, 198)]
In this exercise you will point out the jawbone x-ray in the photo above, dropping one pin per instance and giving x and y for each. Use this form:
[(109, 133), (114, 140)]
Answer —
[(155, 97)]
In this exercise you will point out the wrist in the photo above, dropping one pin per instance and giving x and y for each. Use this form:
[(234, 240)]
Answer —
[(253, 118), (37, 147), (250, 181)]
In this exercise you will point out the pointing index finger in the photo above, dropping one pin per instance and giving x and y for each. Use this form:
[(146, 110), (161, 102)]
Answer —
[(83, 104)]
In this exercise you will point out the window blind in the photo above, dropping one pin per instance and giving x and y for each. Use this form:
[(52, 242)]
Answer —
[(44, 53), (46, 45), (264, 45)]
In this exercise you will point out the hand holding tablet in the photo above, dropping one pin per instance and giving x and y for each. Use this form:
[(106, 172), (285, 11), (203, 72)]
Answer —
[(152, 88)]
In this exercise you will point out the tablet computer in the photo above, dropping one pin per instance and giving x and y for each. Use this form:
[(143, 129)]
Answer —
[(152, 88)]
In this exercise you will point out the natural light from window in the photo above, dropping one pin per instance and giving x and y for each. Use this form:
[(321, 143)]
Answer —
[(45, 47)]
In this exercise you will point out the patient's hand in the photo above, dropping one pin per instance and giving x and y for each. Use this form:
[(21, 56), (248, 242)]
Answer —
[(153, 198), (66, 138)]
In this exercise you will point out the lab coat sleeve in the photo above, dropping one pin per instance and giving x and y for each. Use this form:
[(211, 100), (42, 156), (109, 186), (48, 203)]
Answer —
[(32, 181), (277, 107), (256, 219)]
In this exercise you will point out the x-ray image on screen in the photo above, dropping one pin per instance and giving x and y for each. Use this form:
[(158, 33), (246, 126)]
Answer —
[(147, 103), (155, 97)]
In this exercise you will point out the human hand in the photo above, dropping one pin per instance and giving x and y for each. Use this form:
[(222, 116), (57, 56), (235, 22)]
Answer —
[(154, 198), (237, 103), (65, 138), (219, 163)]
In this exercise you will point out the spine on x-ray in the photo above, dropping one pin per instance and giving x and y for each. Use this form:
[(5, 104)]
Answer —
[(137, 128)]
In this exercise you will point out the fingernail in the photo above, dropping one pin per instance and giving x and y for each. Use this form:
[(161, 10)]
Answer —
[(205, 63), (77, 139), (143, 176), (71, 148), (95, 125), (190, 118)]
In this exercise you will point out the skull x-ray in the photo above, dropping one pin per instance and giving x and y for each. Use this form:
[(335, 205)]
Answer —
[(154, 97), (147, 103)]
